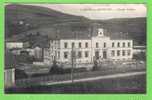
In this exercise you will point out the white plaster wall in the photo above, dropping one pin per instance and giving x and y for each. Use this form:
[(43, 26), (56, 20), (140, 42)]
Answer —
[(9, 77), (121, 48), (101, 41), (83, 59), (11, 45), (58, 46)]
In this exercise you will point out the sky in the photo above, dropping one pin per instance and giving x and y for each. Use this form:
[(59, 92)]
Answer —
[(100, 11)]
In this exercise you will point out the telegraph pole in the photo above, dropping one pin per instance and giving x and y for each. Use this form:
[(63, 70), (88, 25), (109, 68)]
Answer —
[(91, 32), (56, 45), (72, 58)]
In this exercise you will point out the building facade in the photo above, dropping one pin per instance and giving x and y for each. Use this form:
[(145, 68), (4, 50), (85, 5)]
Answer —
[(12, 45), (9, 76), (139, 49), (98, 47)]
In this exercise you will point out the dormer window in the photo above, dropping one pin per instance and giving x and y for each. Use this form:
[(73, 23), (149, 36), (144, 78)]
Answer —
[(100, 32)]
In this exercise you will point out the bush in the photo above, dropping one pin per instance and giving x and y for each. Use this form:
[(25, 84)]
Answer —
[(20, 74), (55, 69), (95, 67), (140, 56), (39, 74), (82, 69)]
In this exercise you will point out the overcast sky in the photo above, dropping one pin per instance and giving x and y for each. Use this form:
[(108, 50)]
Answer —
[(100, 11)]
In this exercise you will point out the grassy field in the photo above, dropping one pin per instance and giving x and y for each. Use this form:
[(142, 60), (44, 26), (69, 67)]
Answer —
[(134, 84)]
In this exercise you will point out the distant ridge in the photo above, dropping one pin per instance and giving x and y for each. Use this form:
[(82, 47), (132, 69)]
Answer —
[(21, 20)]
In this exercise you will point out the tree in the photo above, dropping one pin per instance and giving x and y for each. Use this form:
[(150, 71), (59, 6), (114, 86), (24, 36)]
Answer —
[(55, 69), (95, 66)]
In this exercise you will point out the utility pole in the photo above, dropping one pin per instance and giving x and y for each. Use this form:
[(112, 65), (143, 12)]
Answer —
[(55, 47), (73, 55), (91, 32), (72, 58)]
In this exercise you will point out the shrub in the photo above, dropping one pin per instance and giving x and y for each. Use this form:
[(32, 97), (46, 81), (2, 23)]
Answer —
[(20, 74), (95, 66)]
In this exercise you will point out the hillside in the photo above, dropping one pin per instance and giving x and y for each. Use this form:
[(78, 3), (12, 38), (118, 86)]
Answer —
[(133, 28), (22, 20)]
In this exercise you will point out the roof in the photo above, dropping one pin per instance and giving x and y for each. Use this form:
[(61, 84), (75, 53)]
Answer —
[(41, 45), (139, 47), (63, 33)]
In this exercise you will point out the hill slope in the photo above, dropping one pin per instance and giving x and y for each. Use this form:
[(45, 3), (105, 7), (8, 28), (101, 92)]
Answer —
[(134, 28), (21, 20)]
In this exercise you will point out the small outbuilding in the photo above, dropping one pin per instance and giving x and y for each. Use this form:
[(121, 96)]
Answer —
[(9, 71)]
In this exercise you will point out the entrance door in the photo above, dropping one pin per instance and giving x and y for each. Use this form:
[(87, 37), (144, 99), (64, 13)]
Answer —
[(97, 54), (104, 54)]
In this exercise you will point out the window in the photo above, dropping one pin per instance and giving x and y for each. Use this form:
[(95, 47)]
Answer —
[(128, 44), (97, 45), (79, 44), (86, 54), (79, 54), (113, 44), (58, 54), (73, 44), (123, 53), (104, 44), (86, 44), (65, 45), (73, 54), (128, 52), (112, 53), (123, 44), (118, 52), (65, 55), (118, 45)]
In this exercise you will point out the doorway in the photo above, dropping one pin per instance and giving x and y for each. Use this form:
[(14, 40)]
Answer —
[(97, 54), (104, 54)]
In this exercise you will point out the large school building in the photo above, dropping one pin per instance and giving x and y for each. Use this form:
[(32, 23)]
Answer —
[(86, 50)]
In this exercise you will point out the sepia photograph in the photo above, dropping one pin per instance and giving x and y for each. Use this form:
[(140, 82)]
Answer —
[(75, 48)]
